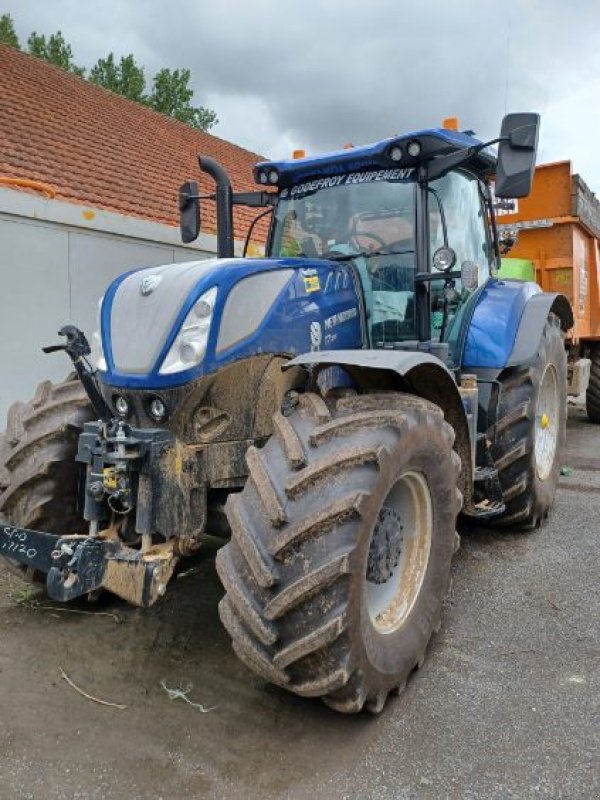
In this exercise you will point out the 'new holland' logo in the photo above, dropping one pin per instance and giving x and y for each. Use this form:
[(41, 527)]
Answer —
[(149, 284)]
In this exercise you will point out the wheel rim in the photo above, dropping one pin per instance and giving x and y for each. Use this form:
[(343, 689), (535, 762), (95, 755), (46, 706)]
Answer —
[(547, 416), (399, 552)]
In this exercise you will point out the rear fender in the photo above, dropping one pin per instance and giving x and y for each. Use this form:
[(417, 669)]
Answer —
[(508, 322), (418, 373), (531, 325)]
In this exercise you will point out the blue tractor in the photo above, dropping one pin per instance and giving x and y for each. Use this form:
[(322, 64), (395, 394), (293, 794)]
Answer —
[(331, 408)]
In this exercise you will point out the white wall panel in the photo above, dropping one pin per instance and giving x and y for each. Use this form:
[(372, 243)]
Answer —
[(96, 259), (34, 302), (52, 273)]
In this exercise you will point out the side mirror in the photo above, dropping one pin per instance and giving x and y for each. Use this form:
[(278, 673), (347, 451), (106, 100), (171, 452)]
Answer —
[(189, 211), (516, 155)]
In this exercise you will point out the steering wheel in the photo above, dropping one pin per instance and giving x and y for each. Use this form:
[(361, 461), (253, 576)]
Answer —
[(355, 235)]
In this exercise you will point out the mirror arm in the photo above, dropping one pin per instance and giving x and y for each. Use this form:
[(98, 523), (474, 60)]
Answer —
[(185, 199), (255, 199), (252, 199), (439, 166)]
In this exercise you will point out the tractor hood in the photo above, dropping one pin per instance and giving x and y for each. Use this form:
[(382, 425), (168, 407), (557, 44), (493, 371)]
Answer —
[(164, 326)]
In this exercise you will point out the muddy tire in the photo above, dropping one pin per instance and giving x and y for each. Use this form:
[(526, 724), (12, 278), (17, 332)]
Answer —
[(592, 395), (341, 547), (530, 432), (38, 471)]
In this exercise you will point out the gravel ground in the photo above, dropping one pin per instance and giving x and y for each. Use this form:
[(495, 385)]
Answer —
[(506, 705)]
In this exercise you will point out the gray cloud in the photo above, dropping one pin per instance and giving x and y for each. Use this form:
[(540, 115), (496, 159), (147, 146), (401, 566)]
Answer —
[(319, 74)]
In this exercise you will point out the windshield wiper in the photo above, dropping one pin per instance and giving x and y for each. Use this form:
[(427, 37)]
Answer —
[(365, 254)]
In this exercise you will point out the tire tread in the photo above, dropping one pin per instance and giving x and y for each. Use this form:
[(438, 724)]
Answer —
[(285, 606)]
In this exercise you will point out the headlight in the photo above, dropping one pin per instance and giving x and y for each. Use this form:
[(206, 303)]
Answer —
[(157, 409), (121, 405), (189, 346), (444, 259), (97, 357), (414, 148)]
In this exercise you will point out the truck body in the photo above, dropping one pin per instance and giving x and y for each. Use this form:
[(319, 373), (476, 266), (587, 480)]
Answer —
[(558, 233)]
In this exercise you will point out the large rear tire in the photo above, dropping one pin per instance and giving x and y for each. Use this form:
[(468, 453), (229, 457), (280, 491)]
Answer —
[(341, 547), (38, 471), (530, 432), (592, 395)]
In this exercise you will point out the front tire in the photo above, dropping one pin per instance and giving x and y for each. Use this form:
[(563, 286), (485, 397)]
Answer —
[(341, 547), (38, 471), (530, 432)]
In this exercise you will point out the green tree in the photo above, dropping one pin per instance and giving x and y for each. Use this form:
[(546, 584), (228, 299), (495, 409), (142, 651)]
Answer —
[(171, 92), (125, 78), (7, 32), (55, 50), (171, 95)]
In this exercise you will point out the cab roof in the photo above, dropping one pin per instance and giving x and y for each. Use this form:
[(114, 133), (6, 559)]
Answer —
[(433, 142)]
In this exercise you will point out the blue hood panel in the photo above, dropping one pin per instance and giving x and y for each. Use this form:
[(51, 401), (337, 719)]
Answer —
[(318, 308)]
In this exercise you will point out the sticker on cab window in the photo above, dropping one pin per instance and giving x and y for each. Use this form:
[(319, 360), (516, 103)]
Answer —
[(311, 283)]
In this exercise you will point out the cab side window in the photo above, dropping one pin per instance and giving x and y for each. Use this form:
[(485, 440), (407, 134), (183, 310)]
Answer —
[(466, 221)]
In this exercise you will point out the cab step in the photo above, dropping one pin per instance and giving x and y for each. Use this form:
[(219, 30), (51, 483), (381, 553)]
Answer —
[(485, 509), (487, 487), (483, 474)]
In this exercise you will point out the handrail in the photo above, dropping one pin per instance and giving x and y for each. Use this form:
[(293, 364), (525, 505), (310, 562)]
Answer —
[(28, 183)]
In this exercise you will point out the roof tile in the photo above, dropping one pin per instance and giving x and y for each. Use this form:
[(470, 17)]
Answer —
[(98, 148)]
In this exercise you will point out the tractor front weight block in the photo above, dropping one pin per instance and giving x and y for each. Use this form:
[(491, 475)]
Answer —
[(77, 565)]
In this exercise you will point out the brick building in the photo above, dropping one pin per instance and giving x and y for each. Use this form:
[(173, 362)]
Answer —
[(88, 189)]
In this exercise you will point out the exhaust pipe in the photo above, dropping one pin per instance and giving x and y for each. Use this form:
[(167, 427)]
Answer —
[(224, 205)]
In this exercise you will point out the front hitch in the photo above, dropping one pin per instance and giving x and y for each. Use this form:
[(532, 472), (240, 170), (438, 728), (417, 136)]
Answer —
[(77, 565)]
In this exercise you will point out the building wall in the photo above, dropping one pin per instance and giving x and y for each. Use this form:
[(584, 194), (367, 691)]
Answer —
[(56, 260)]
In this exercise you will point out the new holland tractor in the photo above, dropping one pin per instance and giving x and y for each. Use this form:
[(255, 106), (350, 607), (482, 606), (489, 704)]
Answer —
[(331, 408)]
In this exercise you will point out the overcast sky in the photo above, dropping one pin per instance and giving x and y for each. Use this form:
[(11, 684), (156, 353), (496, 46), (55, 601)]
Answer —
[(314, 74)]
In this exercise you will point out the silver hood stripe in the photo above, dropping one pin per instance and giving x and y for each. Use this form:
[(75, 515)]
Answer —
[(141, 324)]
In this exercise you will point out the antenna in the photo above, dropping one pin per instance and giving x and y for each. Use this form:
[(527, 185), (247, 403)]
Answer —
[(507, 70)]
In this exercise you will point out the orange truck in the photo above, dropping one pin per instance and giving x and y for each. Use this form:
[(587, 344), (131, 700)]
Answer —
[(556, 234)]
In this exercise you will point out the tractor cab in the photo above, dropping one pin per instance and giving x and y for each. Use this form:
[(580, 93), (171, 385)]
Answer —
[(374, 221), (411, 215)]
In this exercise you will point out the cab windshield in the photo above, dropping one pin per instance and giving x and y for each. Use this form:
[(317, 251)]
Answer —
[(372, 224)]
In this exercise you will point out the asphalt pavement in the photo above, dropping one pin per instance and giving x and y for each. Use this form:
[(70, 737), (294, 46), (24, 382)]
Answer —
[(505, 706)]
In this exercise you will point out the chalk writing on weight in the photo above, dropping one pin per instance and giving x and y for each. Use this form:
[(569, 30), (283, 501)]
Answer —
[(15, 541)]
